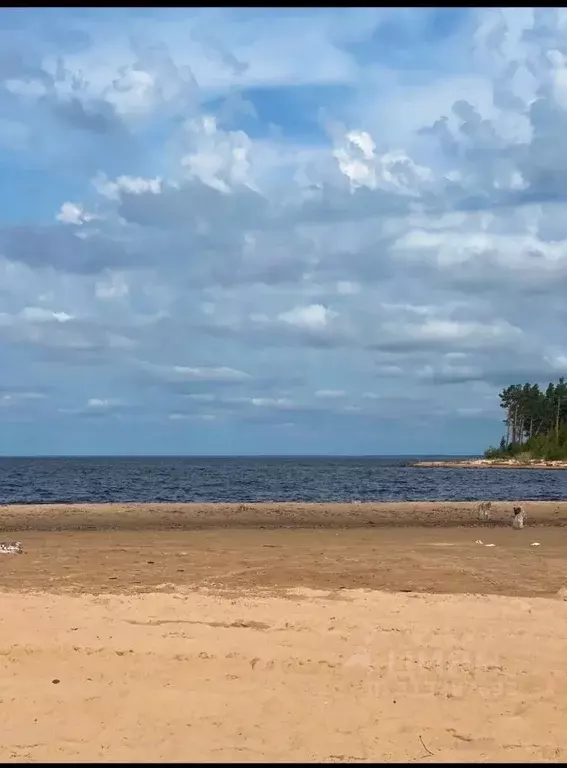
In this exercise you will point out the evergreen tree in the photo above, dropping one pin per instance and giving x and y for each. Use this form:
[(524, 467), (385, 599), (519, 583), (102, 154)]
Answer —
[(536, 421)]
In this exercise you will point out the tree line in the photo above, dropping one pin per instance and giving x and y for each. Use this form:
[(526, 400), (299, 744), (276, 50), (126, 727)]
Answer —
[(536, 421)]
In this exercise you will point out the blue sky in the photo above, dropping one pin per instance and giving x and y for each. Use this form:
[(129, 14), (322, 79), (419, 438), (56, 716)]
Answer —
[(247, 231)]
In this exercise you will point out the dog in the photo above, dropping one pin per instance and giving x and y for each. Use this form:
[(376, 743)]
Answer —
[(483, 510), (11, 548), (519, 518)]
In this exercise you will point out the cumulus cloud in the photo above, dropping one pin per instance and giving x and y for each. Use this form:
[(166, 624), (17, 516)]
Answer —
[(125, 184), (314, 317), (71, 213), (243, 219)]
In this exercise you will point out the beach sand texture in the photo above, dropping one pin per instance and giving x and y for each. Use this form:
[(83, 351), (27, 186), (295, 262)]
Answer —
[(179, 632)]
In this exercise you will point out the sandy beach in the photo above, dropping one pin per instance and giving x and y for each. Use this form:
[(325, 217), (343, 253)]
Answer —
[(336, 633)]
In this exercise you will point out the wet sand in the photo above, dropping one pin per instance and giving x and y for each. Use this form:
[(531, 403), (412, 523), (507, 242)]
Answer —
[(159, 517), (333, 633)]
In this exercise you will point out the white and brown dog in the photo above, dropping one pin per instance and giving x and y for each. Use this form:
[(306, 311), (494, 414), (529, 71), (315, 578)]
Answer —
[(11, 548), (519, 518)]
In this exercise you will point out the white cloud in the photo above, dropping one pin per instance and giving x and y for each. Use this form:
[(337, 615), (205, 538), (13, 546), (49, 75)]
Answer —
[(448, 330), (264, 202), (41, 315), (330, 393), (223, 373), (355, 159), (220, 159), (314, 317), (188, 417), (132, 185), (29, 89), (557, 362), (14, 398), (96, 403), (271, 402), (71, 213)]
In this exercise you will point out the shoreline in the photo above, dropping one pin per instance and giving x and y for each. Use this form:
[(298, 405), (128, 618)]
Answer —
[(263, 515), (490, 464)]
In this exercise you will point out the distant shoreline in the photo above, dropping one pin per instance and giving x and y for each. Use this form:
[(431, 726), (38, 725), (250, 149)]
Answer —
[(490, 464)]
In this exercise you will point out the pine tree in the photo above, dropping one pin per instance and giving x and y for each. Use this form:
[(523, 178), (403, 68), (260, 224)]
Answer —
[(536, 421)]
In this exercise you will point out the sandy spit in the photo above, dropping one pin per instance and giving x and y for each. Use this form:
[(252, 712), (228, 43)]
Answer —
[(491, 464)]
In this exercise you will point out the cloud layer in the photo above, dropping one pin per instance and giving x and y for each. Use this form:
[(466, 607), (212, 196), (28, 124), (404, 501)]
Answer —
[(284, 231)]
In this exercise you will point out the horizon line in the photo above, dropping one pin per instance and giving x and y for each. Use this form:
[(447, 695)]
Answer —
[(236, 455)]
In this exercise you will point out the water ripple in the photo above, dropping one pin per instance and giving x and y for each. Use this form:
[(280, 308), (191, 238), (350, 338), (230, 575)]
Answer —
[(83, 480)]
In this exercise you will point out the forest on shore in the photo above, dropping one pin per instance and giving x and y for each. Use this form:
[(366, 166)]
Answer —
[(536, 422)]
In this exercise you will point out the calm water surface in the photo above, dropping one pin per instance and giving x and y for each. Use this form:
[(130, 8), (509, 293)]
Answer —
[(122, 479)]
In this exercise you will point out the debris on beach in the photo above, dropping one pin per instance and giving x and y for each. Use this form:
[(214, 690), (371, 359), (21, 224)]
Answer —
[(11, 548), (535, 544), (490, 545), (478, 541)]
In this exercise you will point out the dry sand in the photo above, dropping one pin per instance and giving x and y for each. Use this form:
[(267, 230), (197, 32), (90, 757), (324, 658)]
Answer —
[(148, 638)]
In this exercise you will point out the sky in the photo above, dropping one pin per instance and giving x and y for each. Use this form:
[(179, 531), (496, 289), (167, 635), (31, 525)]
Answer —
[(278, 231)]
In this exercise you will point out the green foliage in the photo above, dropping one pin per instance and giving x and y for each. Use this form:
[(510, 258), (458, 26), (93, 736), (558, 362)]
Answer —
[(536, 422)]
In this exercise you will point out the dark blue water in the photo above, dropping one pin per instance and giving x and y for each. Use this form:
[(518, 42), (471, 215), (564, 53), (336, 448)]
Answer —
[(49, 480)]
